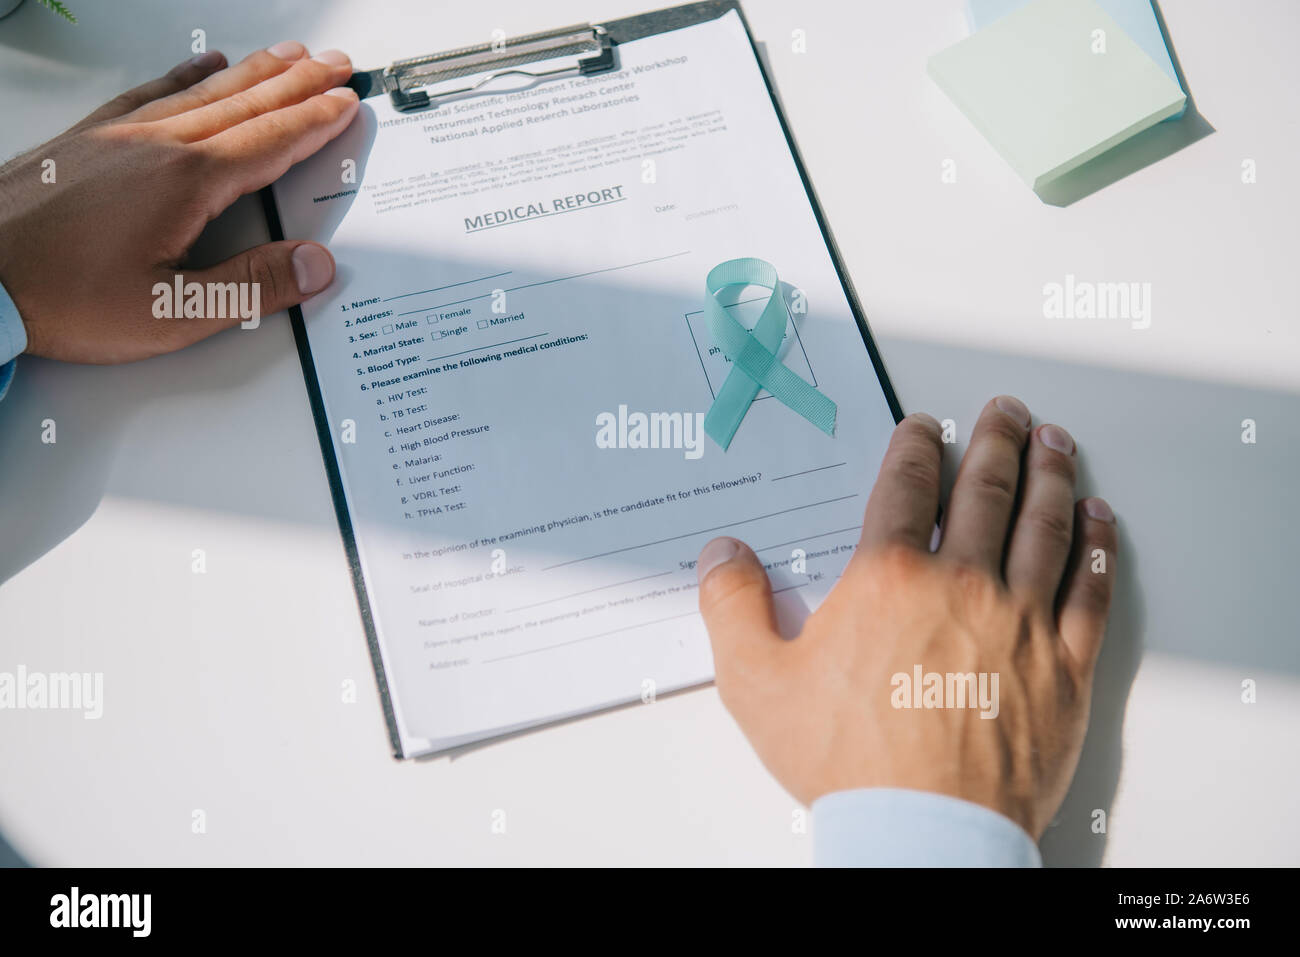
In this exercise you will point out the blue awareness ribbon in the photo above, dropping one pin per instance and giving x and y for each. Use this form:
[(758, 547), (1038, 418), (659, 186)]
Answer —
[(753, 354)]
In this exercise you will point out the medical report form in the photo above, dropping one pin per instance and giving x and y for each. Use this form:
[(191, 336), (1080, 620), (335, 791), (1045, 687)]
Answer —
[(514, 270)]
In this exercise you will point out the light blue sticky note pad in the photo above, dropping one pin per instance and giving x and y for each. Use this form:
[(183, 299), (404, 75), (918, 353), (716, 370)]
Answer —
[(1135, 17), (1053, 84)]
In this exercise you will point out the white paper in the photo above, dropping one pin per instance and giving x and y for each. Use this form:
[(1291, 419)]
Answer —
[(680, 164)]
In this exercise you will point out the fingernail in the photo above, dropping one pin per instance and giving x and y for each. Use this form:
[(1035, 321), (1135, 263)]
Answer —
[(312, 268), (926, 419), (208, 60), (1056, 439), (287, 50), (1014, 408), (715, 553), (342, 92), (1098, 509), (333, 58)]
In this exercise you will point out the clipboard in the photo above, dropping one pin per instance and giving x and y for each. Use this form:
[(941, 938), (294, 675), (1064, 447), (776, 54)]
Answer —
[(424, 83)]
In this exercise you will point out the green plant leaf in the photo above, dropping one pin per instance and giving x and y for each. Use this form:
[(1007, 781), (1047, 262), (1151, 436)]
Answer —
[(58, 8)]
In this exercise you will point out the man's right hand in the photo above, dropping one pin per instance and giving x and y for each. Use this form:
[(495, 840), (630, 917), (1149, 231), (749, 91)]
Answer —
[(1019, 588)]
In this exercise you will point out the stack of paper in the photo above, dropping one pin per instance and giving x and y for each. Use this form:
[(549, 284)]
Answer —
[(1054, 83)]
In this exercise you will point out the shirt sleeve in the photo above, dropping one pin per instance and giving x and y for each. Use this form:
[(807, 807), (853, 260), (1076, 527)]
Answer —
[(13, 339), (891, 827)]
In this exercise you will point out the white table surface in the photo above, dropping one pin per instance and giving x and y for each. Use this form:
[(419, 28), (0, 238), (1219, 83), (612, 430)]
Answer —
[(222, 691)]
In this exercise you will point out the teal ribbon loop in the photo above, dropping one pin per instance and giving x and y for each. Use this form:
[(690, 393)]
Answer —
[(753, 354)]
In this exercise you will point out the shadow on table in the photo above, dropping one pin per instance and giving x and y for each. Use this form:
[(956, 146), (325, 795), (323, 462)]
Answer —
[(9, 857), (1203, 516), (1204, 552), (1202, 526), (48, 489), (1165, 451), (1076, 837)]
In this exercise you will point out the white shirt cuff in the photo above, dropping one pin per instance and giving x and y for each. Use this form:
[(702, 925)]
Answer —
[(892, 827), (13, 339)]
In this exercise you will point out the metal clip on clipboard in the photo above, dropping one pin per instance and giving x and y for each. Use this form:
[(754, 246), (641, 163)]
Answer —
[(588, 49)]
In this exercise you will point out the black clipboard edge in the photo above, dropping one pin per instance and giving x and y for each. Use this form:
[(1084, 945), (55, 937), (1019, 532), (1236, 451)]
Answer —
[(621, 31), (326, 436), (837, 260)]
